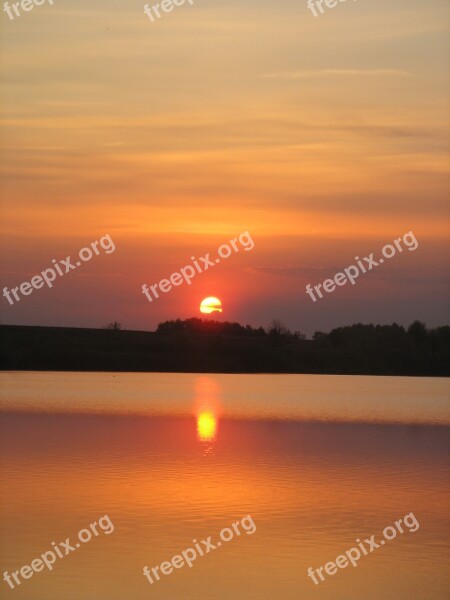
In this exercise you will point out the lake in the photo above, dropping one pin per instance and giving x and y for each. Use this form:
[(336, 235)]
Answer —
[(302, 465)]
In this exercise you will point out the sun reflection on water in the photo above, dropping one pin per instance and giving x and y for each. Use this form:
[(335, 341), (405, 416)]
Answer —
[(206, 426), (206, 410)]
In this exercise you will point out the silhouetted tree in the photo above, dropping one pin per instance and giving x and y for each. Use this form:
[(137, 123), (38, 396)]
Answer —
[(277, 331), (418, 332), (299, 335), (114, 326), (277, 328)]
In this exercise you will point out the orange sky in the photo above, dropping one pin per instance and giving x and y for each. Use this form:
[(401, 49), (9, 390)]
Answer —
[(324, 137)]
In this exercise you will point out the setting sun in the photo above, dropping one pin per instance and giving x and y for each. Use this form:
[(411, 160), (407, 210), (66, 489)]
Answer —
[(210, 305)]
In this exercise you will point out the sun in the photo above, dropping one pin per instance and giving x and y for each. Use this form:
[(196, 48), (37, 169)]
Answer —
[(210, 305)]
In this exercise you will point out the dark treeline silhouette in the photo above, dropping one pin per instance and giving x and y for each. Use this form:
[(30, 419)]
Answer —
[(197, 345), (208, 327), (275, 331)]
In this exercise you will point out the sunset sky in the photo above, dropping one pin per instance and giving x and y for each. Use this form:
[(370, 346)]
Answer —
[(324, 138)]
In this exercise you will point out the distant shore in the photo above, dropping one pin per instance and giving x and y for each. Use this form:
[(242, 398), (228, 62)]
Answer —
[(355, 350)]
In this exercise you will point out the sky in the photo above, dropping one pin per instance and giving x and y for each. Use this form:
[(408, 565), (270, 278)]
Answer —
[(323, 137)]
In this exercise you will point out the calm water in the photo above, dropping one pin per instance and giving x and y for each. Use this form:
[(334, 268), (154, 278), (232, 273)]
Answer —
[(317, 462)]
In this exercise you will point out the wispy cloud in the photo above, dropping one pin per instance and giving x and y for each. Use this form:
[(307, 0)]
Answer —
[(300, 272), (419, 275), (338, 73)]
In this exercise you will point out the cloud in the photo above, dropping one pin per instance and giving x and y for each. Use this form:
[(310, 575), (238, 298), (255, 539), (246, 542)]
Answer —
[(338, 73), (421, 276), (296, 272)]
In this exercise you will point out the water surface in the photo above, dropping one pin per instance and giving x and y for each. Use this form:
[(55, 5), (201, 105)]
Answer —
[(316, 461)]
